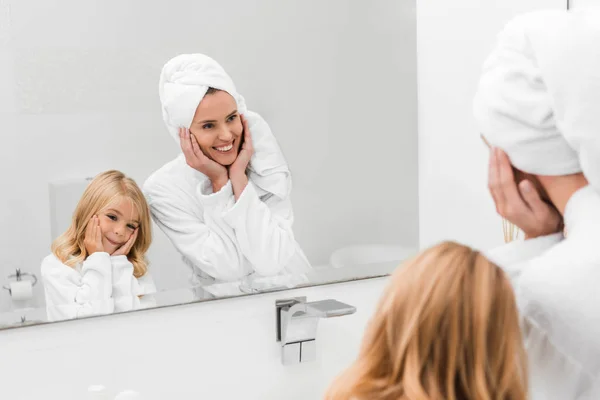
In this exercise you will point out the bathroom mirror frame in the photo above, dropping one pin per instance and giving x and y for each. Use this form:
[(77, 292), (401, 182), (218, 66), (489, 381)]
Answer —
[(380, 270)]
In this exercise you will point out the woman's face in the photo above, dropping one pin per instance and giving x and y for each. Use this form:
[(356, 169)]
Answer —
[(218, 128)]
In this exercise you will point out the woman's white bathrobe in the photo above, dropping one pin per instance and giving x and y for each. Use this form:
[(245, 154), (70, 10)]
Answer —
[(557, 286), (100, 285), (222, 239), (538, 99), (225, 239)]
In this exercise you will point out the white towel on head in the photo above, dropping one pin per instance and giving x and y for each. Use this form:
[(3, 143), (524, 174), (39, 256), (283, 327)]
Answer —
[(183, 83), (539, 94)]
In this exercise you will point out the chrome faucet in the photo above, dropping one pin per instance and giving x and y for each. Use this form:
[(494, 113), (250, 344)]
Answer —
[(297, 323)]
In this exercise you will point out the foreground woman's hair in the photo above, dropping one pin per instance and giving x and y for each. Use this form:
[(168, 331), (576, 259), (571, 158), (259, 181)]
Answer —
[(446, 328)]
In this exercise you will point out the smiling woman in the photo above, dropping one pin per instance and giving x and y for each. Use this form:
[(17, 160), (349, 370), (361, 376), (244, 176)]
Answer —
[(217, 127), (225, 207), (212, 144)]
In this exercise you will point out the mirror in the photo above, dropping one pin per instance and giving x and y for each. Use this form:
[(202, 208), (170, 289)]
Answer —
[(330, 193)]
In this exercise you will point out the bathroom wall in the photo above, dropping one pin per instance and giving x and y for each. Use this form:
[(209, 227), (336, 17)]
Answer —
[(73, 71), (225, 349), (583, 3)]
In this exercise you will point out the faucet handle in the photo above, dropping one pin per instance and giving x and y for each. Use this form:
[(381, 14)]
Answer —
[(297, 322), (281, 305), (298, 307)]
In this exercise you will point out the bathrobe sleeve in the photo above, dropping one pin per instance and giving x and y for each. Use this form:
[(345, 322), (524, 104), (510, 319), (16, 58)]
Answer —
[(197, 230), (71, 294), (512, 257), (557, 299), (554, 373), (128, 290), (263, 230), (147, 289)]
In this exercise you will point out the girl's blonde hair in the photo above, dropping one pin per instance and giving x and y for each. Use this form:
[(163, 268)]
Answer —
[(104, 190), (446, 328)]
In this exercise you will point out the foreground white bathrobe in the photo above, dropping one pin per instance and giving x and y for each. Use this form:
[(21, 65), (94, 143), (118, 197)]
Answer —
[(539, 100), (100, 285), (557, 285), (224, 239)]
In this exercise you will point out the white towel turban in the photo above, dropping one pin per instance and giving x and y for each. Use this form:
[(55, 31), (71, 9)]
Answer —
[(539, 95), (184, 81)]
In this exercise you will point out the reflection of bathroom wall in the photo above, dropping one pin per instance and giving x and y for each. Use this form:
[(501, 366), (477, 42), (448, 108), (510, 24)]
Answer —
[(336, 81), (583, 3)]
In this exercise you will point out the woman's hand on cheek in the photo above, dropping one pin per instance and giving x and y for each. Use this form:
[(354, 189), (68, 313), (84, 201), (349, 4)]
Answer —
[(242, 161), (237, 170), (126, 248), (522, 204), (196, 159)]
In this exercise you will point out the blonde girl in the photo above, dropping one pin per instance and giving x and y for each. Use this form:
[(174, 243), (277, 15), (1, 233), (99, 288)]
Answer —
[(446, 329), (98, 265)]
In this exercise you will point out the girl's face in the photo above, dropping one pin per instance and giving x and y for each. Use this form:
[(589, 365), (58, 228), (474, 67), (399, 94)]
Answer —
[(218, 128), (117, 224)]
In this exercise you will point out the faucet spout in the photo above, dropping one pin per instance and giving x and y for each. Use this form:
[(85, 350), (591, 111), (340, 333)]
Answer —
[(297, 322), (329, 308)]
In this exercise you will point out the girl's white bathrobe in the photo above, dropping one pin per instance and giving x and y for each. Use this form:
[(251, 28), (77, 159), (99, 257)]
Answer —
[(100, 285), (557, 286)]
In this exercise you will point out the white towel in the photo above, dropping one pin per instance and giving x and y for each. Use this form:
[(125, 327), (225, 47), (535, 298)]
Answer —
[(539, 95), (184, 81)]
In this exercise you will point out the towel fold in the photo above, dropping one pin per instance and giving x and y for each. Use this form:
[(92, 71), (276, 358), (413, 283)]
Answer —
[(184, 81), (538, 98)]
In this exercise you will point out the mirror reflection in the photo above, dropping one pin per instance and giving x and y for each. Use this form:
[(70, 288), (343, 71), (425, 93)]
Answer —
[(277, 153), (99, 265), (225, 201)]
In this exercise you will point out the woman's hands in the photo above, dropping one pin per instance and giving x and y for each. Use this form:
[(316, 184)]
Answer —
[(237, 170), (196, 159), (520, 204), (246, 152), (217, 173)]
